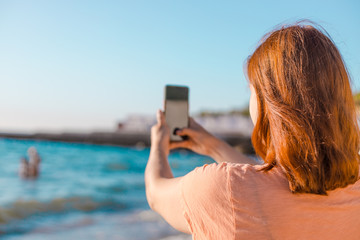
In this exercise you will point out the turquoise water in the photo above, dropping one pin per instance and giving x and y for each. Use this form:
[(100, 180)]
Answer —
[(84, 191)]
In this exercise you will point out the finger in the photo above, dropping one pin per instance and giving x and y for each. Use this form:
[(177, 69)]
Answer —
[(160, 117), (185, 132)]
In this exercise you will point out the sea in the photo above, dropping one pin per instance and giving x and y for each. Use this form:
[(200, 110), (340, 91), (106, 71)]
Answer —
[(84, 191)]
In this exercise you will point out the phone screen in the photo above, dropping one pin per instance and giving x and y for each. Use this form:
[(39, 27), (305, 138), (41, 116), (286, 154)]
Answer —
[(176, 109)]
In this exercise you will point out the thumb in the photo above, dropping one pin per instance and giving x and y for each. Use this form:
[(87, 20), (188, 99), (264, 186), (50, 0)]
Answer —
[(160, 117)]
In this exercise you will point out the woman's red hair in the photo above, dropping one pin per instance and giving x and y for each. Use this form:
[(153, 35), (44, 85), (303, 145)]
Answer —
[(307, 122)]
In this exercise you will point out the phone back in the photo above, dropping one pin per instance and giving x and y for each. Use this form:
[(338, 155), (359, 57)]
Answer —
[(176, 109)]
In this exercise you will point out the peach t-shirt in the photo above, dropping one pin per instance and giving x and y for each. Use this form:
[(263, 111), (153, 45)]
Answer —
[(235, 201)]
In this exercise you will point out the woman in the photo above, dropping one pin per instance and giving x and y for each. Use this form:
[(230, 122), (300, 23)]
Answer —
[(306, 133)]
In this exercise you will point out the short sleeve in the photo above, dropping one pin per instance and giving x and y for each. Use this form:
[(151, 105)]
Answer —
[(206, 202)]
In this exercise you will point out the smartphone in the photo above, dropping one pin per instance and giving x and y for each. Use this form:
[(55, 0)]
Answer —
[(176, 109)]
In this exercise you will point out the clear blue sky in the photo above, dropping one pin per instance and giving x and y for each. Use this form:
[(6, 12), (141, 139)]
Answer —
[(67, 64)]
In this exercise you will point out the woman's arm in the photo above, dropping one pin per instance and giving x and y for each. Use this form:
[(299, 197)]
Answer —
[(202, 142), (163, 191), (223, 152)]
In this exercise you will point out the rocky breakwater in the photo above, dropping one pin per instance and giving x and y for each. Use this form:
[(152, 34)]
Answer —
[(135, 131)]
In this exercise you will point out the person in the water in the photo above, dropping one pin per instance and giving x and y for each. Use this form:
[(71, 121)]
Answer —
[(30, 169)]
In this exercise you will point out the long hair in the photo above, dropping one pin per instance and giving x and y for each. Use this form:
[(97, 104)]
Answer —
[(306, 122)]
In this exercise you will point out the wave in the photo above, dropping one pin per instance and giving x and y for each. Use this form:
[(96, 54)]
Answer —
[(137, 224), (21, 209)]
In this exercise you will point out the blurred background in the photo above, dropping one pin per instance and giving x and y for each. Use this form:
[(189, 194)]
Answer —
[(81, 82)]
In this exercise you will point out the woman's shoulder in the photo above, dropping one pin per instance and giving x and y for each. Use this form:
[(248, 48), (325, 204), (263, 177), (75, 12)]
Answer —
[(235, 177), (251, 170), (225, 166), (238, 169)]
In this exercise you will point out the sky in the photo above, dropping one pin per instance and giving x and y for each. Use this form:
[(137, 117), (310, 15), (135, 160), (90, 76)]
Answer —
[(85, 65)]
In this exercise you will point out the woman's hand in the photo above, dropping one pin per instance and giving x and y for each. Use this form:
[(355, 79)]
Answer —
[(160, 134), (199, 140), (202, 142)]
